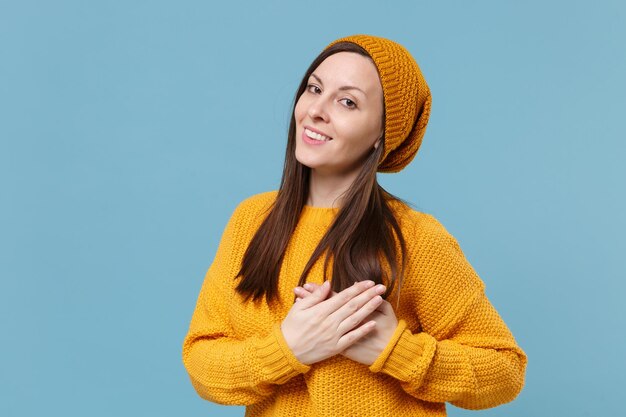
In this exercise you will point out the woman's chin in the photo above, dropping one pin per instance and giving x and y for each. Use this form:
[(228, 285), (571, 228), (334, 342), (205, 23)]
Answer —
[(312, 163)]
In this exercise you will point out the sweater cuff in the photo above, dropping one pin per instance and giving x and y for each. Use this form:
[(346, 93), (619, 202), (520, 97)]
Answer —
[(278, 363), (407, 356)]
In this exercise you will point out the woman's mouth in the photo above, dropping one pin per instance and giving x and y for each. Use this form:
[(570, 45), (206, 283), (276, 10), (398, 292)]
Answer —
[(314, 138)]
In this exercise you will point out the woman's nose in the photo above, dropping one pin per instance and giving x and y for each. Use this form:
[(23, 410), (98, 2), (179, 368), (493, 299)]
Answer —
[(318, 109)]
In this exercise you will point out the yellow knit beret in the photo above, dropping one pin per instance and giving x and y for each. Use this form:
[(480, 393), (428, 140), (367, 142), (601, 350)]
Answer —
[(406, 95)]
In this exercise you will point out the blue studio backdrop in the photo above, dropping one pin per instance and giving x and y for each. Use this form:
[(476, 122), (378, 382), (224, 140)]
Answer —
[(130, 130)]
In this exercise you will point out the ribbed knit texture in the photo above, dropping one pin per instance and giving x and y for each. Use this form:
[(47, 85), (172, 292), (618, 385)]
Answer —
[(450, 344), (407, 99)]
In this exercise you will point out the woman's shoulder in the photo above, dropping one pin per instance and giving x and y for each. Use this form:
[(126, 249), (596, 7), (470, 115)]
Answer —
[(260, 199), (421, 223), (256, 204), (433, 244)]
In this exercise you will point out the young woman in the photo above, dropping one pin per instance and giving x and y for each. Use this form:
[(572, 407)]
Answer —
[(330, 296)]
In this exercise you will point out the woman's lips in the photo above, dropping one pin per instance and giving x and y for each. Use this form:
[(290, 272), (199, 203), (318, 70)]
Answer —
[(312, 141)]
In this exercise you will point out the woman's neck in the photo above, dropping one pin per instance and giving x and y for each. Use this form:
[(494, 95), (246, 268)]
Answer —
[(327, 190)]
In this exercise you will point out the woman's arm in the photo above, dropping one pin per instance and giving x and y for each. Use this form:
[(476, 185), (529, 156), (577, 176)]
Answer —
[(465, 354), (227, 370), (223, 368), (477, 366)]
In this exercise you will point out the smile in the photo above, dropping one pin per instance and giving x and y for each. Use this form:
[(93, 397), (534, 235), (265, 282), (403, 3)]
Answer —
[(315, 135)]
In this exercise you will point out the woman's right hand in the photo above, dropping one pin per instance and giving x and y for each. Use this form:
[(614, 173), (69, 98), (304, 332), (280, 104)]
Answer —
[(318, 327)]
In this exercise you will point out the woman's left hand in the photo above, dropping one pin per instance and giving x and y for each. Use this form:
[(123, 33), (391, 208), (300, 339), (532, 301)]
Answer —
[(368, 348)]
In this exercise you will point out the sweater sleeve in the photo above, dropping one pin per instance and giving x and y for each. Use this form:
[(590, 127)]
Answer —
[(464, 353), (222, 367)]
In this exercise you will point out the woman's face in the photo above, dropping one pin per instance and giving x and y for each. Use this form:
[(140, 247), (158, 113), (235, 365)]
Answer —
[(339, 115)]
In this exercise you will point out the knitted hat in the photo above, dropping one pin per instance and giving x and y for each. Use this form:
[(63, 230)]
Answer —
[(406, 95)]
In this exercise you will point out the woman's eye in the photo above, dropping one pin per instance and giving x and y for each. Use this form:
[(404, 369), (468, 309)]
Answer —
[(313, 88), (349, 103)]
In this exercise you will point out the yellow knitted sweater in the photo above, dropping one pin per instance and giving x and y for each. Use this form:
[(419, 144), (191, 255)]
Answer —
[(450, 344)]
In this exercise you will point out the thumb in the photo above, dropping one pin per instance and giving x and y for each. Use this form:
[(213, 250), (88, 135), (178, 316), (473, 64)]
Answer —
[(316, 297)]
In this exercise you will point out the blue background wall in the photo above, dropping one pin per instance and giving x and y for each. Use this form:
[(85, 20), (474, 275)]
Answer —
[(130, 130)]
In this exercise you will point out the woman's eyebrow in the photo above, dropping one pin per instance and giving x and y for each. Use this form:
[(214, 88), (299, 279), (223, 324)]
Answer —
[(342, 88)]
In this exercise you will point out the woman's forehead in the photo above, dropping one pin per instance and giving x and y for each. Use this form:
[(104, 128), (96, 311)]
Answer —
[(349, 69)]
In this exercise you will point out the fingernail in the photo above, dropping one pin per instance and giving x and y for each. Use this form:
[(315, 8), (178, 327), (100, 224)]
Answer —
[(380, 288), (369, 284), (325, 284), (307, 287)]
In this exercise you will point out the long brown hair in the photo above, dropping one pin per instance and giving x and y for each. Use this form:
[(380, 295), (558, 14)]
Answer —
[(364, 228)]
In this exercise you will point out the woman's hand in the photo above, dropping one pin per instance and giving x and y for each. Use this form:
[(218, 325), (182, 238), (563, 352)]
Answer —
[(366, 349), (319, 327)]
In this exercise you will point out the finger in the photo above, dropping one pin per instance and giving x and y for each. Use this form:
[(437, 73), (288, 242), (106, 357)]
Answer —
[(301, 292), (360, 315), (310, 286), (355, 335), (335, 303), (357, 302), (316, 296), (386, 308)]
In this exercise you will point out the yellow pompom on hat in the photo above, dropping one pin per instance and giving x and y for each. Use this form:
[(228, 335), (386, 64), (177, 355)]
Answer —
[(406, 95)]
